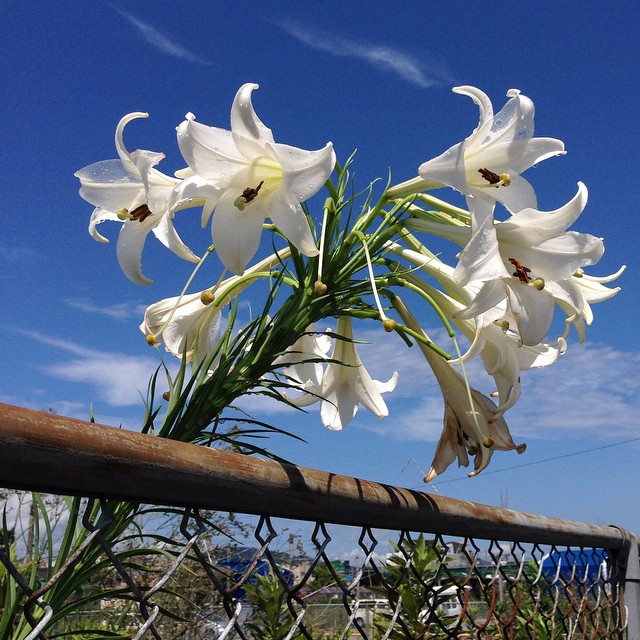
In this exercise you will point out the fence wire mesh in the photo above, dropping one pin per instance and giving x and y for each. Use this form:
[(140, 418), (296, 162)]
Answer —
[(182, 573)]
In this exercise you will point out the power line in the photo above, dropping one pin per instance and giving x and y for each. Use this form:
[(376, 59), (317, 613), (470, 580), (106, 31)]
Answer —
[(534, 462)]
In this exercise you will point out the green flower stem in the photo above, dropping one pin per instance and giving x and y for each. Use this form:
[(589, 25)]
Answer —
[(412, 188), (331, 188), (377, 239), (421, 337), (421, 292), (413, 326), (445, 207), (414, 244)]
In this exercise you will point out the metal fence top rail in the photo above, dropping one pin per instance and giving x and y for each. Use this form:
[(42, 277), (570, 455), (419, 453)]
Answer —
[(53, 454)]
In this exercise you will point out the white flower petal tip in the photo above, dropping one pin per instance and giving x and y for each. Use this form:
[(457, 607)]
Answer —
[(431, 475)]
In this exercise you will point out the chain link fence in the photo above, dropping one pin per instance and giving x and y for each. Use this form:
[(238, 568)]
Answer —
[(177, 541)]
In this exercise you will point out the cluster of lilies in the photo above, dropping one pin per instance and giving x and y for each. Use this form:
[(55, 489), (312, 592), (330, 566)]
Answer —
[(501, 294)]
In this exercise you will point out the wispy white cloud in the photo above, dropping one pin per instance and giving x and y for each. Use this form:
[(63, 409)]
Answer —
[(16, 253), (592, 391), (424, 73), (119, 379), (120, 311), (161, 41)]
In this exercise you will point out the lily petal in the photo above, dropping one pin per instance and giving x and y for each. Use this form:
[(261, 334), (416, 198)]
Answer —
[(250, 134), (166, 233), (346, 384), (235, 233), (131, 191), (98, 217), (131, 241)]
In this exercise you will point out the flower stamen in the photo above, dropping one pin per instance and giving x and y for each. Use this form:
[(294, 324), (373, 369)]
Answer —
[(248, 195), (141, 213), (319, 288), (521, 272), (207, 297), (495, 180), (389, 326)]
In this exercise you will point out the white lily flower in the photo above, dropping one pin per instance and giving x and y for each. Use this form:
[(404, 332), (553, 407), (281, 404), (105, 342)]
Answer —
[(190, 324), (474, 428), (346, 384), (502, 353), (527, 260), (301, 361), (251, 177), (486, 167), (130, 191)]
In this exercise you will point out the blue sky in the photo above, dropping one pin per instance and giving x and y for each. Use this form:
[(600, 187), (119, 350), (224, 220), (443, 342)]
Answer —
[(364, 75)]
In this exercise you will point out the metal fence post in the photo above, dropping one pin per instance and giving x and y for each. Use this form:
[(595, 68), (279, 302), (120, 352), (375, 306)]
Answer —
[(629, 563)]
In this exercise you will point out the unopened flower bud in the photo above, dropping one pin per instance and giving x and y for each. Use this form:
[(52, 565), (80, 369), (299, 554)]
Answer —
[(319, 288), (207, 297)]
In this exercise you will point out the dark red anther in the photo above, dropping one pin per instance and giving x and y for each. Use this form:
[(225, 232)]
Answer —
[(250, 193), (489, 176), (521, 272), (140, 213)]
